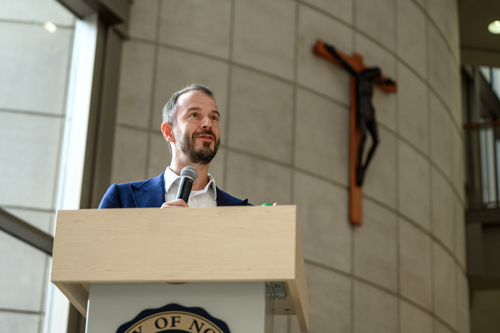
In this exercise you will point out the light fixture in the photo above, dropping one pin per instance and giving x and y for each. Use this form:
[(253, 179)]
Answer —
[(494, 27), (50, 27)]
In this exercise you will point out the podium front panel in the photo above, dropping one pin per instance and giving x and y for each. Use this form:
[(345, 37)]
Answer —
[(242, 306)]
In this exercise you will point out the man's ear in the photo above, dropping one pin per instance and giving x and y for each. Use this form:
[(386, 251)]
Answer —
[(168, 132)]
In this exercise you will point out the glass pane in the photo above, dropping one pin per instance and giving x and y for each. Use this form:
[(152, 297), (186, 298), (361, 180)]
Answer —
[(35, 60), (486, 73), (23, 285), (495, 81), (37, 40)]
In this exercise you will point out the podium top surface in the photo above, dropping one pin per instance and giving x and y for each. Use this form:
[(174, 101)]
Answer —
[(175, 245)]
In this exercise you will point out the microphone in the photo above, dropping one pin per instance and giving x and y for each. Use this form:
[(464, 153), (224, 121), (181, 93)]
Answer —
[(188, 176)]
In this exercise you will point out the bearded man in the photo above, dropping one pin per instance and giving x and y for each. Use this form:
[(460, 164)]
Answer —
[(191, 128)]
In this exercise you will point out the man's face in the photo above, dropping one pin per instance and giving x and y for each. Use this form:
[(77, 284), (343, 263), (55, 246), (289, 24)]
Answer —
[(196, 131)]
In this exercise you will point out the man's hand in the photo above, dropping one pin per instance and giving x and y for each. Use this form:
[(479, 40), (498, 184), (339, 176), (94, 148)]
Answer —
[(177, 203)]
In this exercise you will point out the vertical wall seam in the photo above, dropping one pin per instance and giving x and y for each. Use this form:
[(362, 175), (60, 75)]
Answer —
[(427, 39), (295, 100), (398, 256), (153, 92), (229, 91), (353, 284)]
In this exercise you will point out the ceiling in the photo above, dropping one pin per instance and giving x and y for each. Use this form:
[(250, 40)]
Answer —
[(478, 45)]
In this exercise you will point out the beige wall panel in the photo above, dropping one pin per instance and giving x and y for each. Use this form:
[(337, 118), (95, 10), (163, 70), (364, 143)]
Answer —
[(459, 221), (411, 39), (441, 136), (444, 15), (177, 69), (422, 3), (413, 113), (322, 137), (41, 11), (414, 188), (29, 179), (323, 216), (258, 180), (159, 155), (443, 205), (456, 94), (341, 9), (439, 69), (201, 26), (129, 155), (375, 248), (463, 313), (22, 275), (445, 286), (264, 35), (380, 179), (313, 71), (329, 301), (376, 19), (134, 96), (261, 115), (439, 327), (376, 311), (20, 322), (34, 65), (413, 319), (375, 55), (385, 108), (144, 19), (415, 264), (439, 12)]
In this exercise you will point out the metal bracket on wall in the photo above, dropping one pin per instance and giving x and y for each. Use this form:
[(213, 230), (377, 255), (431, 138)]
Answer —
[(26, 232)]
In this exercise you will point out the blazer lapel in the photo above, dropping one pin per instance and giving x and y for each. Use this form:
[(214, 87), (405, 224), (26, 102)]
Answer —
[(224, 199), (150, 193)]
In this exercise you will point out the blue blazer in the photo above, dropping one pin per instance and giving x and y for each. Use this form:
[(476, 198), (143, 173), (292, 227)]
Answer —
[(151, 193)]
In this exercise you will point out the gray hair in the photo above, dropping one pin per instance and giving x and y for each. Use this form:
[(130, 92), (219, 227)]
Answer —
[(170, 109), (169, 113)]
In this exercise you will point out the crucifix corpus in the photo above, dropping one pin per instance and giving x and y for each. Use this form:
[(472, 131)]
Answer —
[(363, 79)]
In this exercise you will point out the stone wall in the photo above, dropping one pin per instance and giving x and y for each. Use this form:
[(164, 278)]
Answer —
[(285, 120)]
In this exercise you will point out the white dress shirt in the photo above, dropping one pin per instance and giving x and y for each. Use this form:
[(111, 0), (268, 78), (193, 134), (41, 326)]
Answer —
[(203, 198)]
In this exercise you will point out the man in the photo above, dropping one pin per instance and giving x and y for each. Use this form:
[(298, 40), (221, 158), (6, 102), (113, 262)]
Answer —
[(191, 128)]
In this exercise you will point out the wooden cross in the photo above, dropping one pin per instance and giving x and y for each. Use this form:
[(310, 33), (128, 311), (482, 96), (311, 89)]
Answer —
[(355, 66)]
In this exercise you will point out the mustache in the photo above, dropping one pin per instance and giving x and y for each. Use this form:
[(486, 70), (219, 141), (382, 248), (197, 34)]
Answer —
[(204, 132)]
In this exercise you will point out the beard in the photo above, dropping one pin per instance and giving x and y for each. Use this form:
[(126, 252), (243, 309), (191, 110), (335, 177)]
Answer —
[(203, 155)]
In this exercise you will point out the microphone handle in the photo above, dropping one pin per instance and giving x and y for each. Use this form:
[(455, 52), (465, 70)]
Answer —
[(184, 189)]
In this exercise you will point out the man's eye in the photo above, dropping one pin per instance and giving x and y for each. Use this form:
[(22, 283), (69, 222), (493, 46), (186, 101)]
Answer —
[(193, 115), (215, 118)]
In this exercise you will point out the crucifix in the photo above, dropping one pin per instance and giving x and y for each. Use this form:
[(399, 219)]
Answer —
[(363, 122)]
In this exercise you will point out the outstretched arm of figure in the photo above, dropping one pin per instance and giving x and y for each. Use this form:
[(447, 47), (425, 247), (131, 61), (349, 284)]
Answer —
[(385, 81), (341, 60)]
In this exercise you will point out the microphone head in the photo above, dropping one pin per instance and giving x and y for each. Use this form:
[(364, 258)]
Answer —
[(190, 173)]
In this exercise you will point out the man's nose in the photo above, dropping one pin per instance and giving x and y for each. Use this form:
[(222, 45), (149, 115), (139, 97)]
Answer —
[(206, 122)]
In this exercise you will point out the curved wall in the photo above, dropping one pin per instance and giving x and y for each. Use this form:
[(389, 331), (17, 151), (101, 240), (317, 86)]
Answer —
[(285, 116)]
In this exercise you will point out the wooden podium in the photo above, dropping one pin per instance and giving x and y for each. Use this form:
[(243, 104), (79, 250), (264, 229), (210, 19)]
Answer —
[(114, 263)]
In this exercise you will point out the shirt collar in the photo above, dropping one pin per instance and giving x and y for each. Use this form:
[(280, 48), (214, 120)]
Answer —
[(171, 178)]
